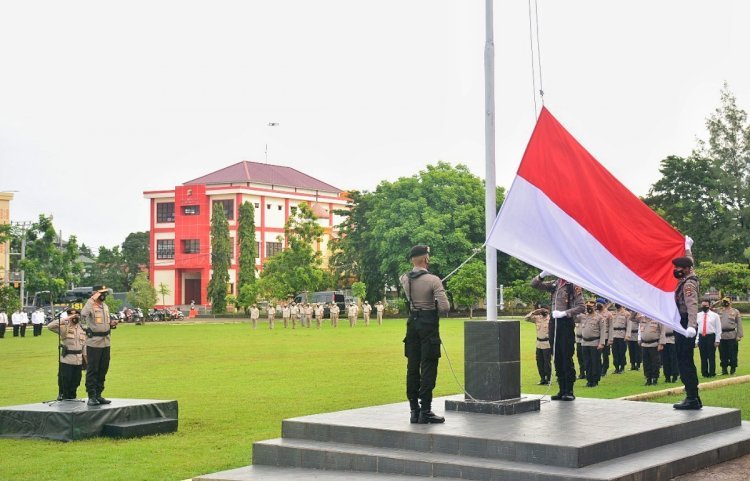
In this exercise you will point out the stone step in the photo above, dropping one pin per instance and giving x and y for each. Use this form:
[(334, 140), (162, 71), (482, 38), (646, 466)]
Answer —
[(659, 463), (274, 473), (140, 427), (565, 434)]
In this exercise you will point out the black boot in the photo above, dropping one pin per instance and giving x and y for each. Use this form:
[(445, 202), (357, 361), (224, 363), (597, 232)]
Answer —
[(542, 381), (414, 419), (648, 381), (92, 400), (102, 400), (655, 381), (732, 370), (724, 371), (429, 417), (689, 403)]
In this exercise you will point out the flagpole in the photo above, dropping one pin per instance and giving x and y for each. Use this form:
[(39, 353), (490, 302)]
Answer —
[(489, 154)]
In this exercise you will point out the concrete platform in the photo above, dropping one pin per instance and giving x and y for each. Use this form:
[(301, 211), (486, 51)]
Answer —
[(588, 439), (71, 420)]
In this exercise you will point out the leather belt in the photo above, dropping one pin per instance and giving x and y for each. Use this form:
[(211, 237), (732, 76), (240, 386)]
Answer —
[(73, 352), (591, 338), (618, 328), (542, 340), (729, 330)]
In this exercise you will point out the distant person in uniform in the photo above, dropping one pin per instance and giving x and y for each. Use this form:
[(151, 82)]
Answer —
[(567, 302), (366, 310), (709, 335), (617, 331), (271, 315), (3, 322), (631, 338), (540, 318), (593, 326), (579, 352), (318, 315), (286, 313), (37, 321), (731, 334), (254, 315), (294, 315), (353, 313), (669, 357), (379, 308), (602, 308), (16, 319), (651, 336), (95, 314), (72, 353), (686, 298), (426, 299), (335, 310)]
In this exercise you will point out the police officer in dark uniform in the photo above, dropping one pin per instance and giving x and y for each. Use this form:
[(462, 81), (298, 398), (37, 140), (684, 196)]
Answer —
[(567, 302), (686, 297), (95, 314), (426, 299)]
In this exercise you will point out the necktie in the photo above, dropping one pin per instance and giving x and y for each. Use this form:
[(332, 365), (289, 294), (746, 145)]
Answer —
[(705, 315)]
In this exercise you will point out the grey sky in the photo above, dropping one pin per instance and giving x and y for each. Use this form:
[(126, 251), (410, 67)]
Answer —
[(100, 101)]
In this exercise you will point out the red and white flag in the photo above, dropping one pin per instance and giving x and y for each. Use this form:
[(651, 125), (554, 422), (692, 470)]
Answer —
[(566, 214)]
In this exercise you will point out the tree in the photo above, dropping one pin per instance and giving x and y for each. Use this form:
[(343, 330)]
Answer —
[(113, 304), (142, 294), (359, 290), (246, 242), (248, 296), (728, 278), (220, 260), (298, 267), (442, 206), (135, 255), (9, 299), (109, 270), (468, 286), (163, 291), (520, 290)]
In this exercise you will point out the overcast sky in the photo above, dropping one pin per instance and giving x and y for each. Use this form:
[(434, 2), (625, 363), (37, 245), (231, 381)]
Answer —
[(100, 101)]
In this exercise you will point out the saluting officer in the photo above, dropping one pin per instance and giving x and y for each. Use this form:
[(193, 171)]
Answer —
[(366, 310), (335, 315), (686, 298), (540, 318), (286, 312), (254, 315), (731, 334), (95, 314), (72, 354), (426, 300), (379, 308), (567, 302), (617, 337)]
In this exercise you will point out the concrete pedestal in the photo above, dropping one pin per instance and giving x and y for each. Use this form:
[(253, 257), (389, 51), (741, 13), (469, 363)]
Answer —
[(492, 370)]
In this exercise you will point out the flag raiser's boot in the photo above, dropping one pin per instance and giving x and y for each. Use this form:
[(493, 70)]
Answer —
[(92, 400), (429, 417), (689, 403), (414, 419), (102, 400)]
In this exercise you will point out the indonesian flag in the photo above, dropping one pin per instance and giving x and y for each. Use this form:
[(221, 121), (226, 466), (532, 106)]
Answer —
[(566, 214)]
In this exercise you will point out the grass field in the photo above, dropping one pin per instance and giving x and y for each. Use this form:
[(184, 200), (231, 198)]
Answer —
[(235, 385)]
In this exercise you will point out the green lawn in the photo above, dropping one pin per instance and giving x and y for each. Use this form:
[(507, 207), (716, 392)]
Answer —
[(234, 386)]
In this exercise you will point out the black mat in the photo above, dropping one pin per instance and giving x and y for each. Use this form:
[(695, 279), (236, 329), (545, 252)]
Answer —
[(71, 420)]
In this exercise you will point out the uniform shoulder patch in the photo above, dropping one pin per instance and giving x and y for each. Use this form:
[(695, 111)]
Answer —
[(689, 289)]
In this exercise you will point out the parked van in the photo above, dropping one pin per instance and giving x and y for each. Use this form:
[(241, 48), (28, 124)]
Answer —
[(322, 297)]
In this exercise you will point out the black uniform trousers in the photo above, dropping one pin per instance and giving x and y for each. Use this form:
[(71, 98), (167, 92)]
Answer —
[(562, 330), (422, 351), (581, 360), (707, 348), (592, 358), (618, 352), (669, 361), (2, 330), (727, 353), (37, 330), (69, 377), (544, 363), (634, 352), (23, 330), (651, 362), (605, 357), (16, 329), (97, 366), (685, 347)]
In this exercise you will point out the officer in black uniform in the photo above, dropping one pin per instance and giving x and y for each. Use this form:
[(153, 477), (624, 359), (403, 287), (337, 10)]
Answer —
[(686, 297), (567, 302), (426, 299)]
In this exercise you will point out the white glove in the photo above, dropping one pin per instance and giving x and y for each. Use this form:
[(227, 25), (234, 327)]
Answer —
[(559, 314), (690, 332), (543, 274), (688, 242)]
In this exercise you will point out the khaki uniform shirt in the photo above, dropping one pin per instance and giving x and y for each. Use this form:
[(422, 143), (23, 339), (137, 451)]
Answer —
[(564, 298), (73, 338), (593, 329), (619, 325), (668, 335), (607, 315), (367, 309), (319, 312), (254, 313), (542, 330), (631, 331), (271, 312), (335, 310), (731, 323), (651, 332), (423, 291), (286, 312), (686, 297), (96, 318)]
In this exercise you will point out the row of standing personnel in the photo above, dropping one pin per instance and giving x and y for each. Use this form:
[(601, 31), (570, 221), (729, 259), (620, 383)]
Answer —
[(19, 320), (304, 314)]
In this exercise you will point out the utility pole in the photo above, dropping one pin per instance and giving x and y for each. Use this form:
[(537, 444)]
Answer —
[(24, 227)]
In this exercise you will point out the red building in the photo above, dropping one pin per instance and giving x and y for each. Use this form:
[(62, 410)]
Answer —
[(181, 222)]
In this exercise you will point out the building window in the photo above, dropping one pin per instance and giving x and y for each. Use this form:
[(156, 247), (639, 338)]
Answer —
[(230, 288), (191, 246), (268, 206), (279, 207), (165, 212), (293, 209), (257, 249), (231, 248), (273, 248), (165, 249), (228, 208), (191, 210), (257, 205)]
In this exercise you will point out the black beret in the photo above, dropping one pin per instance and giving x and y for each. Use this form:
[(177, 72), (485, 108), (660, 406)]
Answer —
[(417, 251), (683, 262)]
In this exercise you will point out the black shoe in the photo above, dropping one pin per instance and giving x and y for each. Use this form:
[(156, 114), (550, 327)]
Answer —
[(430, 417), (604, 373), (589, 384), (542, 382), (732, 370), (92, 402), (60, 397), (648, 382), (414, 419), (655, 381), (102, 400), (581, 376), (557, 397), (633, 368), (724, 372), (689, 403), (569, 397)]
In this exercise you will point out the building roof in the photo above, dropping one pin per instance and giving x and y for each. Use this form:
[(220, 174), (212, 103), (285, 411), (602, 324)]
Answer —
[(256, 172)]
